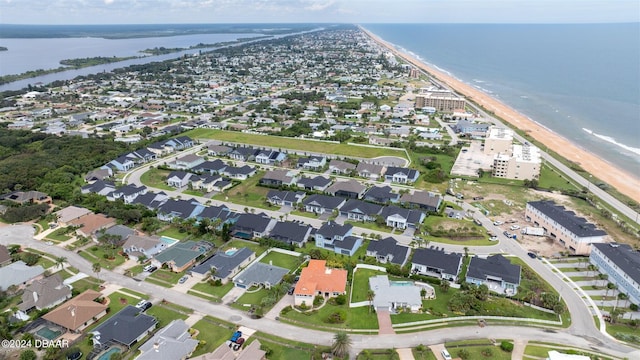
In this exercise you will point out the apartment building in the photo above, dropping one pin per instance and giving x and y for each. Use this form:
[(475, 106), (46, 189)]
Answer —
[(440, 99), (622, 264)]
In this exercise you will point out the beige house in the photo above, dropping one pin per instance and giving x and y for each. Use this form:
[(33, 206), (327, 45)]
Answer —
[(78, 313)]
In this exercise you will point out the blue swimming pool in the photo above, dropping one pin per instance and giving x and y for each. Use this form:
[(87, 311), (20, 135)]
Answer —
[(169, 241), (231, 251), (107, 354), (401, 283)]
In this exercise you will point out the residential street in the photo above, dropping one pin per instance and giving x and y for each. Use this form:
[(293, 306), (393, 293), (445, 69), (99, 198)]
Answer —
[(581, 334)]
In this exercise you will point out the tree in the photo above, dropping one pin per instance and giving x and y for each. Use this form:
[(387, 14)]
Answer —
[(60, 261), (28, 355), (616, 314), (96, 267), (370, 296), (445, 285), (591, 268), (622, 296), (604, 278), (341, 344)]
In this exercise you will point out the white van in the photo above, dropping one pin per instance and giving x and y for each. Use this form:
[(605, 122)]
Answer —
[(445, 355)]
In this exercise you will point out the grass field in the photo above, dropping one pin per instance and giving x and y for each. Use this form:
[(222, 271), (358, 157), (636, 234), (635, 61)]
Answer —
[(247, 193), (282, 260), (425, 354), (295, 144), (95, 254), (156, 178), (166, 276), (215, 291), (164, 314), (237, 243), (59, 234), (212, 334), (174, 232), (361, 284), (355, 318)]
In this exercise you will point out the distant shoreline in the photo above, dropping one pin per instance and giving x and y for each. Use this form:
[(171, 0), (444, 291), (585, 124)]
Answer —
[(621, 180)]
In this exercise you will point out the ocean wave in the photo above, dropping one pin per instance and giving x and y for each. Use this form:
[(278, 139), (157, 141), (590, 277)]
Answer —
[(611, 140)]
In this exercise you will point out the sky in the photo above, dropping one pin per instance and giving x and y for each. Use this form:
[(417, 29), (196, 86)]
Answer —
[(325, 11)]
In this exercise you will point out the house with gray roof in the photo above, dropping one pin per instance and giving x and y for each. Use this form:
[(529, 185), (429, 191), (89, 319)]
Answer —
[(240, 173), (319, 204), (352, 189), (314, 162), (292, 233), (393, 298), (216, 166), (341, 167), (126, 327), (260, 274), (426, 200), (622, 264), (249, 226), (218, 150), (381, 195), (359, 210), (151, 200), (436, 263), (401, 218), (388, 250), (401, 175), (99, 187), (5, 257), (172, 342), (317, 183), (278, 177), (270, 157), (337, 238), (127, 193), (497, 272), (369, 171), (180, 256), (226, 264), (178, 179), (19, 274), (44, 293), (285, 198), (137, 246), (182, 209)]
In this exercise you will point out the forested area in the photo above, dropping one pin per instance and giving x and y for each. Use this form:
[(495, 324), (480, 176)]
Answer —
[(48, 163)]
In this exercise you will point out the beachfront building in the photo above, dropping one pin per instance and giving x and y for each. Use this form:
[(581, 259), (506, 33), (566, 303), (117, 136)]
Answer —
[(621, 264), (511, 161), (563, 226), (440, 99)]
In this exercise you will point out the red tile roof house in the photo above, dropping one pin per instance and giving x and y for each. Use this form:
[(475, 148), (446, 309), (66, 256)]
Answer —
[(318, 279)]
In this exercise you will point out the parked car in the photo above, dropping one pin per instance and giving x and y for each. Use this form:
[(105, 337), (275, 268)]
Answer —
[(236, 335), (507, 234), (497, 223), (532, 255), (183, 279), (493, 238), (445, 354), (76, 355), (514, 227), (291, 290), (143, 305), (150, 268)]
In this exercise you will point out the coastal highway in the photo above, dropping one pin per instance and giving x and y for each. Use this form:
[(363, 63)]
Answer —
[(575, 336), (577, 178)]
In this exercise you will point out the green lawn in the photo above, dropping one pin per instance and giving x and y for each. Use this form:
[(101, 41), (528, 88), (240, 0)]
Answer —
[(426, 354), (212, 334), (304, 213), (370, 225), (156, 178), (460, 232), (250, 299), (551, 179), (96, 254), (476, 352), (355, 318), (216, 291), (291, 143), (131, 292), (281, 352), (376, 354), (282, 260), (86, 284), (173, 232), (59, 234), (166, 276), (237, 243), (247, 193), (164, 314), (119, 301), (361, 284), (194, 192)]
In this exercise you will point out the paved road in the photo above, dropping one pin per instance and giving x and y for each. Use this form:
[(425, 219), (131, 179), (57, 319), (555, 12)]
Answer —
[(581, 334)]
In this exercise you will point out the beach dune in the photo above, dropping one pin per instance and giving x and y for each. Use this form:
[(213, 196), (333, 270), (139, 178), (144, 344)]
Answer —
[(624, 182)]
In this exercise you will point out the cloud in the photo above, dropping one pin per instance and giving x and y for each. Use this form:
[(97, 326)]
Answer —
[(108, 2), (320, 5)]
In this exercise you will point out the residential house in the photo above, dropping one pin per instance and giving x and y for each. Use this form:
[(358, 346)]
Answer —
[(388, 250), (470, 128), (341, 167), (401, 175), (126, 327), (180, 256), (315, 163), (188, 161), (222, 213), (352, 189), (285, 198), (401, 218), (270, 157), (172, 342), (369, 171), (243, 154), (181, 209), (381, 195), (127, 193), (317, 183), (115, 235), (122, 163), (563, 226), (278, 178), (70, 213), (179, 179), (359, 210), (318, 279), (216, 166), (337, 238), (99, 174), (224, 352), (218, 150), (90, 223), (292, 233), (621, 263), (251, 226), (27, 197), (393, 299), (209, 183), (426, 200), (497, 272), (44, 293), (239, 173), (138, 247), (151, 200), (79, 312), (436, 263), (319, 204), (142, 156), (260, 274), (226, 264), (99, 187)]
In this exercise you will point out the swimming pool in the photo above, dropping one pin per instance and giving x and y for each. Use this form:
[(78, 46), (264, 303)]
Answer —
[(400, 283), (231, 251), (169, 241), (107, 354), (48, 333)]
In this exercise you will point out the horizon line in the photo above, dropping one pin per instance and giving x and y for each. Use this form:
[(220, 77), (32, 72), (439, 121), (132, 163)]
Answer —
[(334, 23)]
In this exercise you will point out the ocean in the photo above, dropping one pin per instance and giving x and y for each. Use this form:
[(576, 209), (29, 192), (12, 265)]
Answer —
[(581, 81)]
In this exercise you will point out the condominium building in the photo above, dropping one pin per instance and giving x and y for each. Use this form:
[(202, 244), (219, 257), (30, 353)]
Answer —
[(511, 161), (440, 99), (622, 264), (498, 141), (564, 226)]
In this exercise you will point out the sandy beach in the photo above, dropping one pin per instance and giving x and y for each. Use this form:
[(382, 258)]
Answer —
[(621, 180)]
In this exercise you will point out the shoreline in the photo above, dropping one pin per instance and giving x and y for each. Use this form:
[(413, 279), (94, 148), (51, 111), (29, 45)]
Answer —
[(621, 180)]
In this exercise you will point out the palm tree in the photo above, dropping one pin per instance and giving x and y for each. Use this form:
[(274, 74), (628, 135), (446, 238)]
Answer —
[(591, 268), (622, 296), (96, 269), (60, 261), (341, 344), (370, 296), (604, 278)]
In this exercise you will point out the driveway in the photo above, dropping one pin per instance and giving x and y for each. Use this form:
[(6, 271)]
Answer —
[(286, 300), (384, 322)]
